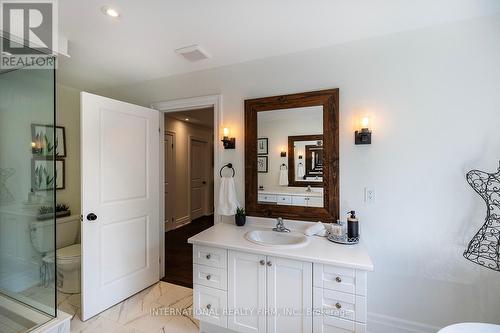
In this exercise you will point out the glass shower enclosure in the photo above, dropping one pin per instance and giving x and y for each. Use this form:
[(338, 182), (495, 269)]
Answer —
[(27, 198)]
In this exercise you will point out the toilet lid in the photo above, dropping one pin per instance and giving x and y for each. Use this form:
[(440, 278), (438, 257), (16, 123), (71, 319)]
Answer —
[(72, 251)]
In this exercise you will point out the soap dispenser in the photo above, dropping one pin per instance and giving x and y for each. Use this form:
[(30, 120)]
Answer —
[(352, 226)]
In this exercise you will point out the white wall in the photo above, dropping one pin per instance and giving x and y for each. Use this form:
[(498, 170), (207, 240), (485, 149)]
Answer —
[(433, 96), (68, 115)]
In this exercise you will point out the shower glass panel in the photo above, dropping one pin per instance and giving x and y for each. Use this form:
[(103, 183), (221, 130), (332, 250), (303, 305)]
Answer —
[(27, 189)]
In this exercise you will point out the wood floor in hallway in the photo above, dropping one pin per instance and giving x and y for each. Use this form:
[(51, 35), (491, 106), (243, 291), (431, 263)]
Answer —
[(179, 254)]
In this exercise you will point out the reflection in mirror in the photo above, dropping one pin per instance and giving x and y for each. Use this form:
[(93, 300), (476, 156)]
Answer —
[(306, 166), (290, 156)]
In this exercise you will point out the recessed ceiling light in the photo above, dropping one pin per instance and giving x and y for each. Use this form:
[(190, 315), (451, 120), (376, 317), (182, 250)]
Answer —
[(111, 12), (187, 119)]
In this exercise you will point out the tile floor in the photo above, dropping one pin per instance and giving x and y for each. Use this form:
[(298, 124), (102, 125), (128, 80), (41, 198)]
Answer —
[(162, 308)]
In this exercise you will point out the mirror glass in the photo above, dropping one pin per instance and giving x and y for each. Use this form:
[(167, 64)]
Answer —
[(290, 156)]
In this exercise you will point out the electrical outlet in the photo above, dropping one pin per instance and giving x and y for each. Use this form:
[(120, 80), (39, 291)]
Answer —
[(369, 195)]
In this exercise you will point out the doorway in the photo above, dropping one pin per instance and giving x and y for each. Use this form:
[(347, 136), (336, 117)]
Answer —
[(189, 187)]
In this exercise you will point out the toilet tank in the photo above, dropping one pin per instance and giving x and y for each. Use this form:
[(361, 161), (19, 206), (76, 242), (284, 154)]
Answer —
[(42, 233)]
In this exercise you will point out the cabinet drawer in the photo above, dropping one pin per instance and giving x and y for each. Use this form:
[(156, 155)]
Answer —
[(336, 325), (347, 280), (338, 304), (209, 304), (284, 200), (267, 198), (315, 201), (210, 276), (299, 201), (210, 256)]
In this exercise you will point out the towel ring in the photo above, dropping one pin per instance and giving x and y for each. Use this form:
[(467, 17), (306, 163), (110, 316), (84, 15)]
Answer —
[(283, 165), (230, 166)]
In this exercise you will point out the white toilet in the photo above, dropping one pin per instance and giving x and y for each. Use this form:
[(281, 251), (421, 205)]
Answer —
[(68, 250), (471, 328)]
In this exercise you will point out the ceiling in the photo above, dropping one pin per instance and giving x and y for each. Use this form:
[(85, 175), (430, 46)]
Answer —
[(203, 117), (140, 44)]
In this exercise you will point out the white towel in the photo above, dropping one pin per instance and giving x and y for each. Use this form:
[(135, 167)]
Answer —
[(300, 171), (316, 229), (283, 177), (228, 203)]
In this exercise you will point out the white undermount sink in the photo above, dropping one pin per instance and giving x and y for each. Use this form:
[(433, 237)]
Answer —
[(277, 239)]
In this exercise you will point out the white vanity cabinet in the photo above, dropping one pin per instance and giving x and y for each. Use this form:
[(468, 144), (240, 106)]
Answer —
[(243, 287), (291, 199), (274, 288), (255, 293)]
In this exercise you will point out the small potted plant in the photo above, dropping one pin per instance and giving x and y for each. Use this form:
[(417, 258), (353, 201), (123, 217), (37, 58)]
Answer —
[(240, 218)]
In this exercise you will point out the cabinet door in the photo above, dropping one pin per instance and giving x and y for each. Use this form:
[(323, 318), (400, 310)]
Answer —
[(246, 292), (289, 296)]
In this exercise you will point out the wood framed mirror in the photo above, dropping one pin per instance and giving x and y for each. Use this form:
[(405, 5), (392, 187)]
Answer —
[(301, 178)]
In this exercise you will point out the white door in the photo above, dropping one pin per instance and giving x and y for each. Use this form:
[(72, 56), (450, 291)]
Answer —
[(289, 294), (120, 201), (198, 181), (169, 182), (246, 290)]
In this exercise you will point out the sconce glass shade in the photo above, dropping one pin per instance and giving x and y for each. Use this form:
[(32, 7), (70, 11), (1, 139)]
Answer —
[(228, 143), (365, 122)]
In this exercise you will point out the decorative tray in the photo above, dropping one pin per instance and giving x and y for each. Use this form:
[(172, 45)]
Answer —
[(342, 239)]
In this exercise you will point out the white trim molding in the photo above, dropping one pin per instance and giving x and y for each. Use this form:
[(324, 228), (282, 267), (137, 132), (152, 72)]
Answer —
[(379, 323), (200, 102)]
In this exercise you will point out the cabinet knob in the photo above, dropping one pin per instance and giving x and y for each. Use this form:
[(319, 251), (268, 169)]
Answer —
[(208, 256), (209, 306), (338, 306), (91, 217), (209, 277), (338, 279), (269, 264), (262, 262)]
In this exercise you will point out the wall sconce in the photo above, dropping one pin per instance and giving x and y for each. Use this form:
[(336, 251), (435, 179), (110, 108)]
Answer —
[(363, 137), (283, 152), (227, 142), (36, 148)]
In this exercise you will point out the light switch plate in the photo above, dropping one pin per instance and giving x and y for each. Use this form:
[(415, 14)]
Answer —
[(369, 195)]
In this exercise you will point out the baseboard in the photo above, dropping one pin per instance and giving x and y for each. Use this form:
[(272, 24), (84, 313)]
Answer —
[(379, 323), (182, 221)]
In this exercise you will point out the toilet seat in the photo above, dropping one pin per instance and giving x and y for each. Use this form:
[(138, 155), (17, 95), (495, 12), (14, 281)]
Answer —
[(70, 253), (471, 328)]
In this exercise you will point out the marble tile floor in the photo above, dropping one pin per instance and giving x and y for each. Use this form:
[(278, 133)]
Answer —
[(162, 308)]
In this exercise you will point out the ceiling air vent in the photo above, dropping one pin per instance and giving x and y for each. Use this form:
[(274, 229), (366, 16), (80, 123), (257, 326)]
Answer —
[(193, 53)]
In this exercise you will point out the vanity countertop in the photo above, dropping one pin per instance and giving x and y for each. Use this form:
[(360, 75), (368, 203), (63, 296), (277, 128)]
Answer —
[(317, 250), (286, 191)]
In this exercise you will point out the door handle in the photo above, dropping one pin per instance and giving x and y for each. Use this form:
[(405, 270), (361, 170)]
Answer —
[(91, 217)]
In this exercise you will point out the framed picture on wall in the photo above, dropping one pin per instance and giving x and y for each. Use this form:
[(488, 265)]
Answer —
[(43, 142), (262, 146), (262, 164), (43, 175)]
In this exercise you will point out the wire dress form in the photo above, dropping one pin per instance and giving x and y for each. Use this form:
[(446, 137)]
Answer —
[(484, 248)]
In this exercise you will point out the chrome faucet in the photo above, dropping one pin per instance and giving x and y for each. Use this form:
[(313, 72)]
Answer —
[(280, 226)]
